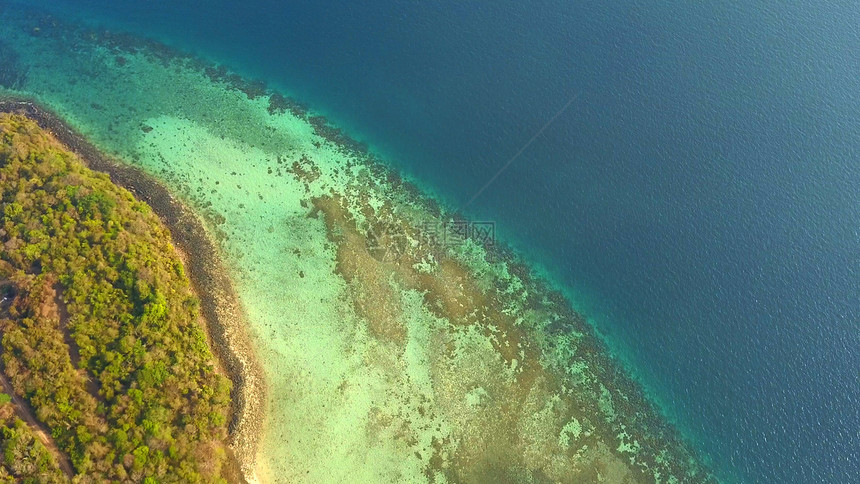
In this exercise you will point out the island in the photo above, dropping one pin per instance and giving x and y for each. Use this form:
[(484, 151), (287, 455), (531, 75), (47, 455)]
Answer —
[(106, 370)]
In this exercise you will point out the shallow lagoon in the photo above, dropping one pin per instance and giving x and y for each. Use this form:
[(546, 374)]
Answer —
[(388, 358)]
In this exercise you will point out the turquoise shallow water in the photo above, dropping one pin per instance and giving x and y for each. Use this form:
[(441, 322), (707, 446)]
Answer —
[(699, 199), (387, 357)]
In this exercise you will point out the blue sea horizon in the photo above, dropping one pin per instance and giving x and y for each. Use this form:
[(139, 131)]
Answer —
[(699, 197)]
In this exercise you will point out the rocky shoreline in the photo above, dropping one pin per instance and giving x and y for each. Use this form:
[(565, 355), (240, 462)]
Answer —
[(223, 315)]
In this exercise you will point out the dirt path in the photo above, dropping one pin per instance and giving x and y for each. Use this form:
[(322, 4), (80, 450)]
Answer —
[(22, 408), (62, 313), (25, 413)]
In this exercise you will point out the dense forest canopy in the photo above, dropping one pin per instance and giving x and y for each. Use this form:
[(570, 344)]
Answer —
[(100, 331)]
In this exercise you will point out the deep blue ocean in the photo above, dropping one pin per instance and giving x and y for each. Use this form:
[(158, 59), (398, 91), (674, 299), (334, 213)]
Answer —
[(700, 196)]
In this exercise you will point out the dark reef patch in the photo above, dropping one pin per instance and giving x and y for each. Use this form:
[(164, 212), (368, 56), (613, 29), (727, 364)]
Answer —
[(121, 44), (11, 74)]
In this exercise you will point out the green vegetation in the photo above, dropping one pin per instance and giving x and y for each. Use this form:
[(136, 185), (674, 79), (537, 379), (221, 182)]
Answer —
[(100, 330), (22, 457)]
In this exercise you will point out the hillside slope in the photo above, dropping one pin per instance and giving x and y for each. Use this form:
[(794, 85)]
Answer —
[(100, 329)]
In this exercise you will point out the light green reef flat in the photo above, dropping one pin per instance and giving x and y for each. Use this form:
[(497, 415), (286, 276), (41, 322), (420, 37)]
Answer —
[(387, 358)]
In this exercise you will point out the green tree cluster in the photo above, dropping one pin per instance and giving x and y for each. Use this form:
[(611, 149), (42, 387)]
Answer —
[(100, 329)]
